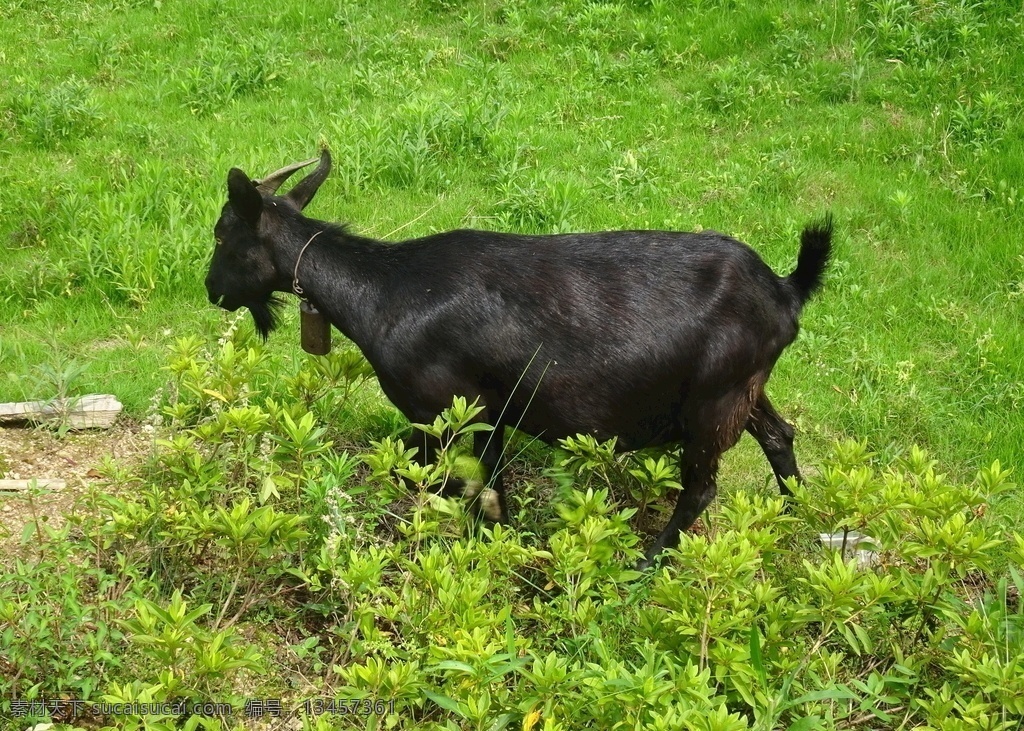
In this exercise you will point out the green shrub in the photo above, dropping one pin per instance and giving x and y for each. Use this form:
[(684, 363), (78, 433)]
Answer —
[(249, 523)]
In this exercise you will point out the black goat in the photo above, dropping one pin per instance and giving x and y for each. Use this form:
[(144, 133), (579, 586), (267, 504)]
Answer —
[(653, 337)]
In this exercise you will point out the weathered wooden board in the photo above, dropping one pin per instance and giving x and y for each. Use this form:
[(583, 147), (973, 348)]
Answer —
[(97, 411), (48, 483)]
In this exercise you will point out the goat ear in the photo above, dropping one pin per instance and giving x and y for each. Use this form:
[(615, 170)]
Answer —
[(303, 192), (245, 200)]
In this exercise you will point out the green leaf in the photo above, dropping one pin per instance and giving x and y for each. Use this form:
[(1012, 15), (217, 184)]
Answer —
[(839, 693), (862, 635), (27, 530), (268, 489), (501, 722), (755, 655), (446, 703), (510, 636), (215, 394), (806, 723), (850, 637), (455, 665)]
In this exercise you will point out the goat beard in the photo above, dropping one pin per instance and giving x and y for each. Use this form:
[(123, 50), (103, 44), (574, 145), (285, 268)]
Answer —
[(264, 315)]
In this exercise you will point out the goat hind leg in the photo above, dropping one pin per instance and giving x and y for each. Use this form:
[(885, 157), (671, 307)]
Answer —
[(775, 435), (715, 427), (698, 468)]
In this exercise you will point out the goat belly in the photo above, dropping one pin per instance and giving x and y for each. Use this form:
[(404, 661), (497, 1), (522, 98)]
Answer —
[(636, 434), (634, 422)]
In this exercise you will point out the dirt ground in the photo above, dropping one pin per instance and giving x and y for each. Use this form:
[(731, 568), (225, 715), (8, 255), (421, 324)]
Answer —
[(34, 453)]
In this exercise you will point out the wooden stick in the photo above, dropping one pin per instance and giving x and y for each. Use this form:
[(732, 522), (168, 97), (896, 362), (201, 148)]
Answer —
[(96, 411), (47, 482)]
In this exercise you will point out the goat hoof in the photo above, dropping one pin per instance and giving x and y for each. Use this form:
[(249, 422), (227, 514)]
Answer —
[(645, 563), (490, 505), (455, 487)]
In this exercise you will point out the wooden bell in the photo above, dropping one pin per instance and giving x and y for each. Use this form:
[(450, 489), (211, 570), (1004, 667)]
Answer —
[(315, 330)]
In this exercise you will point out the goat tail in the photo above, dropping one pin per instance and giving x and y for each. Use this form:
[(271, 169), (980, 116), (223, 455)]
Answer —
[(815, 251)]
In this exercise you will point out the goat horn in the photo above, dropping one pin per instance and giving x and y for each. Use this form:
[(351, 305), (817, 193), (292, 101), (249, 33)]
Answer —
[(306, 188), (272, 182)]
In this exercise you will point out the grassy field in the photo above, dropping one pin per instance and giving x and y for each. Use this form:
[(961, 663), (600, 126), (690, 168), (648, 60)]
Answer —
[(119, 120)]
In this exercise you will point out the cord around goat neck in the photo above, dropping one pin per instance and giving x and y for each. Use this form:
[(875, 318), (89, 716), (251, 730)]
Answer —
[(295, 274)]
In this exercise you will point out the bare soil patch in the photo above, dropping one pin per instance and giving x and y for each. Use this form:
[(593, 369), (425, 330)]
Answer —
[(32, 453)]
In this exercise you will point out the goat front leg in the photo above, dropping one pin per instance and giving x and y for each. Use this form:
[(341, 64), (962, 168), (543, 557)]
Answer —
[(698, 468), (429, 446), (487, 494), (488, 446)]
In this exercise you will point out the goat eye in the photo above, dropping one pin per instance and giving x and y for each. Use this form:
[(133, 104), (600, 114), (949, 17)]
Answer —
[(218, 241)]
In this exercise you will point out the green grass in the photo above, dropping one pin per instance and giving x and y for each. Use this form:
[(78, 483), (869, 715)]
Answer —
[(120, 120)]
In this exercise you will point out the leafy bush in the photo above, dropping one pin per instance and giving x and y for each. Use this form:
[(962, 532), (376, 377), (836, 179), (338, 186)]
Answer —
[(57, 632), (249, 523)]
